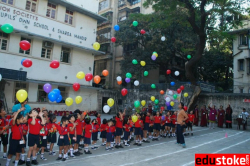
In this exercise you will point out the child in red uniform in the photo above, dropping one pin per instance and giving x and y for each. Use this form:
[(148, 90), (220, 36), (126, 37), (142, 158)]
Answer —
[(25, 131), (138, 125), (95, 131), (109, 135), (151, 127), (173, 118), (126, 127), (168, 124), (157, 126), (87, 136), (131, 123), (146, 127), (79, 128), (98, 119), (72, 134), (52, 134), (103, 131), (113, 129), (191, 118), (43, 138), (16, 139), (163, 122), (4, 127), (119, 126)]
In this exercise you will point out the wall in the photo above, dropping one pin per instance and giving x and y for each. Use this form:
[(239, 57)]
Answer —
[(91, 5)]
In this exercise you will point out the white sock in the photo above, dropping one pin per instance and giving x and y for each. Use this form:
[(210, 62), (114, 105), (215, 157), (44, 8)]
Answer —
[(42, 155), (22, 157), (8, 162), (16, 162), (86, 149), (60, 155), (71, 151), (4, 155), (48, 146), (64, 156)]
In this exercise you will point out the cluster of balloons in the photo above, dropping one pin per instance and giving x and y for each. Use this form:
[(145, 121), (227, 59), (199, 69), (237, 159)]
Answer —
[(21, 95), (26, 62), (154, 56), (110, 103), (55, 95), (119, 80)]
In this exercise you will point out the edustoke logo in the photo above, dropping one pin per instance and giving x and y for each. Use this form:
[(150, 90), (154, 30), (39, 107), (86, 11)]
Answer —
[(222, 159)]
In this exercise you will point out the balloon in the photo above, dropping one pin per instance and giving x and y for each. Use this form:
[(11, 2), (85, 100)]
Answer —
[(69, 101), (106, 109), (163, 118), (162, 92), (47, 87), (105, 73), (156, 101), (162, 108), (127, 80), (185, 108), (143, 102), (143, 31), (110, 102), (172, 83), (97, 79), (153, 57), (178, 91), (0, 77), (155, 53), (78, 99), (119, 82), (129, 75), (136, 83), (59, 99), (22, 61), (113, 39), (188, 56), (80, 75), (88, 77), (116, 27), (53, 96), (163, 38), (57, 91), (76, 86), (182, 87), (118, 78), (7, 28), (168, 99), (152, 98), (175, 96), (168, 72), (172, 103), (170, 92), (176, 73), (137, 104), (21, 95), (145, 73), (24, 45), (134, 118), (185, 94), (134, 61), (27, 63), (143, 63), (168, 104), (124, 92), (96, 46), (153, 86), (54, 64), (135, 23)]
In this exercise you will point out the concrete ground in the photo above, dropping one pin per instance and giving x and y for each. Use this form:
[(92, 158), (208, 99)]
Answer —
[(161, 152)]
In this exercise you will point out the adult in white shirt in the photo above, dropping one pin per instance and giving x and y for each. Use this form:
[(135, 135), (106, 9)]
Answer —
[(245, 116)]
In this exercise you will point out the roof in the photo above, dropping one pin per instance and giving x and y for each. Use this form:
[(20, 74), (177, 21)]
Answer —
[(237, 31), (78, 9)]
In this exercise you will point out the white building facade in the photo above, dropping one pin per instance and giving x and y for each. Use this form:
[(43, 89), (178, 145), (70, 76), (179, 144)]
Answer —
[(57, 30)]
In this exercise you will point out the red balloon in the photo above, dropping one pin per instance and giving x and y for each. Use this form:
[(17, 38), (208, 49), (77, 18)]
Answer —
[(124, 92), (113, 39), (168, 71), (27, 63), (182, 87), (162, 108), (76, 86), (54, 64), (178, 91), (24, 45), (143, 31), (185, 108), (88, 77)]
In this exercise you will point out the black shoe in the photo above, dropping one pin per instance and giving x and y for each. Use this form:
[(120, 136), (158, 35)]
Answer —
[(28, 163), (156, 139), (80, 153), (153, 139), (76, 154), (188, 134), (116, 146), (34, 162), (146, 141), (64, 159), (135, 144), (79, 149), (139, 145), (120, 146), (88, 152), (46, 150), (59, 158), (21, 162)]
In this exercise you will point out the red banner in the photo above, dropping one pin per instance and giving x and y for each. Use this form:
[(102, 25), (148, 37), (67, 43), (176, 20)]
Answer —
[(246, 100)]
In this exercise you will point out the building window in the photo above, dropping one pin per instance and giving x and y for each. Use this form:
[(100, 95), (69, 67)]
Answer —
[(104, 35), (241, 90), (103, 5), (10, 2), (243, 40), (51, 10), (241, 64), (65, 55), (31, 5), (41, 95), (69, 17), (4, 37), (47, 49), (133, 2), (22, 51), (18, 86), (64, 93)]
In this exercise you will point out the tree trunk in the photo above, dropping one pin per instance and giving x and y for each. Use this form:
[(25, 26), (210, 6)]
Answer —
[(194, 98)]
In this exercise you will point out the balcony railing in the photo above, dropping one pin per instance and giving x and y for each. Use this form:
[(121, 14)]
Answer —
[(105, 23)]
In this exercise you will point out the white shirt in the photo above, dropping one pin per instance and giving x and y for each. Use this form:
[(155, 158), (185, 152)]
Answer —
[(247, 114)]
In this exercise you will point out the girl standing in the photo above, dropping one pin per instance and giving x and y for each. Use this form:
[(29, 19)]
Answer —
[(95, 127), (103, 131), (203, 116), (168, 124), (157, 126), (126, 127)]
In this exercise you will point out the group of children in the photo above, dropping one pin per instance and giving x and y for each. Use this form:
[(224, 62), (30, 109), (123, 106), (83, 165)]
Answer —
[(39, 130)]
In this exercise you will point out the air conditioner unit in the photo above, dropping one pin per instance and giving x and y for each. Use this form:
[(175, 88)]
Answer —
[(48, 44)]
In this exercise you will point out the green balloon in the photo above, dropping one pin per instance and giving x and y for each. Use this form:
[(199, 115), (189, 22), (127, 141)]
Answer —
[(154, 52), (7, 28), (128, 75), (189, 57), (145, 73), (153, 86), (135, 23), (156, 101), (134, 61), (175, 96), (137, 104)]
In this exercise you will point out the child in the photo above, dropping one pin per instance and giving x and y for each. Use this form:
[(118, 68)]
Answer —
[(151, 127), (113, 129), (94, 133), (33, 138), (163, 122), (103, 132), (119, 126), (126, 127), (138, 125), (131, 123), (146, 127), (173, 118), (16, 139), (87, 136), (63, 140), (109, 135), (72, 134), (190, 122), (157, 126), (43, 138), (4, 126), (98, 118), (79, 129), (168, 124), (52, 134), (25, 131)]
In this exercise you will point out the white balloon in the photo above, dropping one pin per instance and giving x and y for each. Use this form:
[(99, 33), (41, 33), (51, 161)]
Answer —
[(136, 83), (0, 77), (168, 99), (176, 73), (163, 38), (118, 78), (106, 108), (170, 92)]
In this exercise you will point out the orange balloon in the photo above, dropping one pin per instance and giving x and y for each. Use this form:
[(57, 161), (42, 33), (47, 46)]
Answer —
[(97, 79), (162, 92), (105, 73), (119, 82)]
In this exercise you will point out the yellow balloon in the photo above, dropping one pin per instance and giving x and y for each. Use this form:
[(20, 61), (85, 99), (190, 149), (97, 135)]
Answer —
[(185, 94), (143, 63), (78, 99), (155, 55), (21, 95), (172, 103), (134, 118), (143, 102), (152, 98), (69, 101), (111, 102), (80, 75), (96, 46)]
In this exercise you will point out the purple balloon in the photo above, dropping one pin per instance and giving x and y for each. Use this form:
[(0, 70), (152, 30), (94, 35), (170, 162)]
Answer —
[(168, 104), (162, 117), (127, 80), (153, 57), (47, 88)]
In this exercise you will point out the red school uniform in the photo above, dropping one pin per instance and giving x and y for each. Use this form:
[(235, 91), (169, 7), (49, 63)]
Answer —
[(103, 127), (118, 122), (34, 129), (52, 126), (88, 128), (163, 121), (71, 132), (157, 119), (168, 119), (141, 121), (95, 128), (17, 133), (45, 128), (98, 121), (4, 122), (113, 129), (151, 124), (127, 127), (191, 117), (62, 130), (137, 123), (147, 119), (79, 127), (25, 128), (173, 117), (109, 129)]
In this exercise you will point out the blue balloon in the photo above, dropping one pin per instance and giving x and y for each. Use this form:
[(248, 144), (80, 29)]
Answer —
[(59, 99), (57, 91), (22, 61), (52, 96), (116, 27), (172, 83)]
